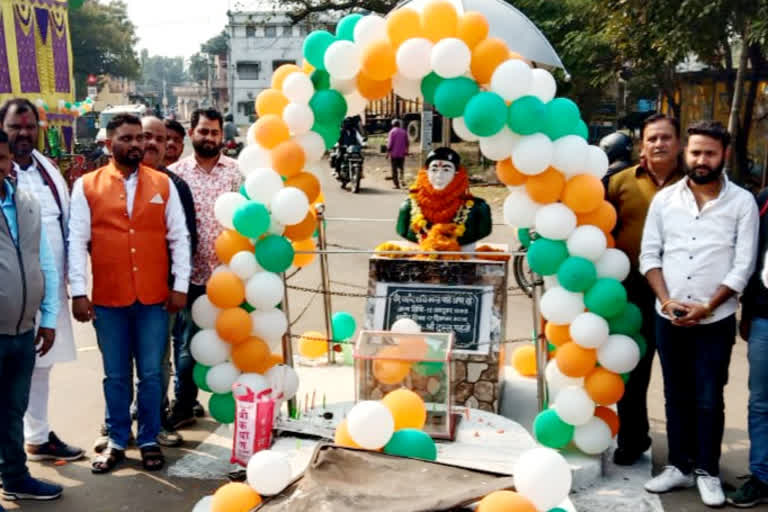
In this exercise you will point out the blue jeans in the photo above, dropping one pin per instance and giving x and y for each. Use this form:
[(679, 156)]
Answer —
[(757, 354), (185, 389), (694, 362), (137, 332), (17, 360)]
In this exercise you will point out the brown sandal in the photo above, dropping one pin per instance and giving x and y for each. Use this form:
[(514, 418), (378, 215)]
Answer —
[(152, 458), (107, 461)]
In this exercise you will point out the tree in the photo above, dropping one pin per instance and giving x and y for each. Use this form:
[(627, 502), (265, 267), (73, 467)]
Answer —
[(198, 68), (300, 9), (103, 40), (217, 45), (155, 70)]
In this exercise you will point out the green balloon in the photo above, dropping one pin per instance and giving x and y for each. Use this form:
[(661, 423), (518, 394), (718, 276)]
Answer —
[(551, 431), (582, 130), (429, 85), (628, 321), (247, 307), (485, 114), (329, 106), (524, 235), (526, 115), (642, 344), (345, 28), (315, 46), (251, 219), (560, 118), (274, 253), (624, 377), (243, 192), (320, 79), (577, 274), (222, 407), (452, 95), (607, 297), (411, 442), (545, 256), (343, 325), (329, 132), (199, 375), (432, 367)]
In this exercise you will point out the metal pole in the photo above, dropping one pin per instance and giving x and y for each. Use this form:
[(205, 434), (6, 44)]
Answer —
[(287, 346), (325, 279), (542, 348)]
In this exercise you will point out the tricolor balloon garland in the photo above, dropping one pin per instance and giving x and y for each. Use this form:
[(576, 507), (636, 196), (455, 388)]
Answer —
[(75, 109)]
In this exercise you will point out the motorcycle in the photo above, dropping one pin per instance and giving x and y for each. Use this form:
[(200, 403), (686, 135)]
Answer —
[(348, 162), (232, 148)]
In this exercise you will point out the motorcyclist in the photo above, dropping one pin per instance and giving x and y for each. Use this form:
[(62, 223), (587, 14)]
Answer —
[(350, 136), (230, 129), (618, 147)]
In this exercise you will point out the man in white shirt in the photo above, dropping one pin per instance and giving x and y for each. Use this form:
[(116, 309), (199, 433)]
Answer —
[(698, 252)]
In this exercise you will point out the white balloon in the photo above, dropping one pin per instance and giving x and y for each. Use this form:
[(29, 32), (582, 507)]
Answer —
[(460, 127), (450, 57), (275, 228), (574, 406), (543, 85), (405, 326), (268, 472), (208, 349), (204, 313), (262, 184), (221, 377), (551, 281), (543, 476), (289, 206), (225, 206), (264, 290), (253, 381), (589, 330), (220, 268), (253, 157), (369, 29), (592, 438), (299, 118), (556, 381), (204, 505), (298, 88), (533, 154), (250, 137), (244, 265), (596, 161), (588, 242), (555, 221), (283, 379), (370, 424), (356, 103), (499, 146), (414, 58), (269, 325), (613, 263), (560, 306), (519, 209), (512, 79), (570, 155), (342, 59), (313, 145), (344, 86), (619, 354), (406, 88)]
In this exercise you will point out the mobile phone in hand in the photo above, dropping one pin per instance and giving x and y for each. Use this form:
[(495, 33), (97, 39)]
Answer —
[(679, 313)]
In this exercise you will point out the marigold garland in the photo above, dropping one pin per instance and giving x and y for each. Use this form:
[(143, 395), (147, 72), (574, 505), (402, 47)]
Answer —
[(448, 207)]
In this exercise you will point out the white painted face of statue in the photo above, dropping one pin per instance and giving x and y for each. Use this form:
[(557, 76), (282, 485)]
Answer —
[(440, 173)]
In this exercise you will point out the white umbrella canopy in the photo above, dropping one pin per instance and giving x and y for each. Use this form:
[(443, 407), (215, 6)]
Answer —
[(509, 24)]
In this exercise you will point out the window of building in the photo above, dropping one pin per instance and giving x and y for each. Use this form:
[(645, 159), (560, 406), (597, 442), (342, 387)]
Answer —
[(247, 109), (270, 31), (250, 31), (288, 31), (277, 63), (247, 70)]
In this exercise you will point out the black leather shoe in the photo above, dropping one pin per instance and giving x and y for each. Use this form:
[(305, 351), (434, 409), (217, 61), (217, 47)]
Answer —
[(626, 456)]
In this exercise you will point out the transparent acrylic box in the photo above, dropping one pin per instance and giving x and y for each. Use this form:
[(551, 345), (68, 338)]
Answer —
[(385, 361)]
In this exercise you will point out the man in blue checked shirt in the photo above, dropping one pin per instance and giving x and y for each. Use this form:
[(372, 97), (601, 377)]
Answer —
[(29, 284)]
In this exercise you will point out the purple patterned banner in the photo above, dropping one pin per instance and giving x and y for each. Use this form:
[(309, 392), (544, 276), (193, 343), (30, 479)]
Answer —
[(27, 55), (5, 73), (41, 15), (59, 44), (66, 132)]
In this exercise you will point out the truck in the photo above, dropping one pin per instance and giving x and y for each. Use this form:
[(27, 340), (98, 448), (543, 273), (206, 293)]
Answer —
[(380, 113)]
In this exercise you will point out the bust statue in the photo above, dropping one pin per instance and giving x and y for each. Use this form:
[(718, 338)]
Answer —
[(440, 214)]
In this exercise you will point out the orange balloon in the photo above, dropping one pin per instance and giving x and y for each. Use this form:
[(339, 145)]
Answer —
[(303, 229), (252, 355), (403, 24), (505, 501), (302, 260), (508, 173), (574, 360), (439, 20), (229, 243), (486, 57), (473, 28), (610, 242), (271, 101), (234, 325), (557, 334), (313, 344), (342, 437), (320, 199), (407, 408), (288, 158), (604, 217), (271, 130), (307, 183), (235, 497), (413, 348), (610, 417), (275, 359), (306, 67), (524, 360), (545, 187), (390, 371), (373, 89), (603, 386), (278, 77), (225, 290), (378, 61), (583, 193)]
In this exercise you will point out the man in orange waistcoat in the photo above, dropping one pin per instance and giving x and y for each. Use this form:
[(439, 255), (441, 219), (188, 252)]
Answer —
[(130, 218)]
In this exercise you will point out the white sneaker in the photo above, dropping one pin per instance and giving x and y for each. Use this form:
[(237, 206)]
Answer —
[(669, 479), (710, 489)]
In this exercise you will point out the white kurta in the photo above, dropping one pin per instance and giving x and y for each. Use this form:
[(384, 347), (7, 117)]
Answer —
[(63, 349)]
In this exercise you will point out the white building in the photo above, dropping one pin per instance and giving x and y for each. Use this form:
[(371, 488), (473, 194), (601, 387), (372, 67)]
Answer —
[(261, 39)]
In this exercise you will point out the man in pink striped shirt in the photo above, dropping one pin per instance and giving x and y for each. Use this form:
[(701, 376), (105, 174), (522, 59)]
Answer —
[(397, 149)]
